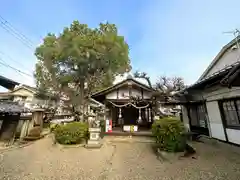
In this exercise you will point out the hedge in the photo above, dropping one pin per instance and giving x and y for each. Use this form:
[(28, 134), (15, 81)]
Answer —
[(169, 134), (71, 133)]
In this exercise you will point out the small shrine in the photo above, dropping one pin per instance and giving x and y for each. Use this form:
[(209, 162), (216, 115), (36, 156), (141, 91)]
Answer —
[(129, 105)]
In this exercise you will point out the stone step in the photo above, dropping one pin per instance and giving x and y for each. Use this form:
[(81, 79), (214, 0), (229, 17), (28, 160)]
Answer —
[(121, 133)]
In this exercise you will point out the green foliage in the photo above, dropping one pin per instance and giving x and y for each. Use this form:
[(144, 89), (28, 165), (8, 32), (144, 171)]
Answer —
[(53, 126), (71, 133), (169, 134), (102, 126), (81, 56)]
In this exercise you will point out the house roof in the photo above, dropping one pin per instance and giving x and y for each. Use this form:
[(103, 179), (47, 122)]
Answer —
[(213, 79), (232, 78), (95, 103), (29, 88), (12, 107), (34, 90), (8, 83), (129, 78), (219, 55)]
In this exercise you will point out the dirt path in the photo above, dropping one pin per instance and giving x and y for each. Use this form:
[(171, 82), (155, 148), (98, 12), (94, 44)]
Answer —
[(117, 159)]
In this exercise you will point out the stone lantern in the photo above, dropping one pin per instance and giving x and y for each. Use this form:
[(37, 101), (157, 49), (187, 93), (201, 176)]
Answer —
[(94, 131)]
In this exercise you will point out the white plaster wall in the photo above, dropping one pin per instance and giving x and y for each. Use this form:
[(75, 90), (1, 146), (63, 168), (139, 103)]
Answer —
[(230, 57), (215, 121), (146, 95), (125, 92), (233, 136), (136, 93), (112, 95), (216, 93), (121, 92)]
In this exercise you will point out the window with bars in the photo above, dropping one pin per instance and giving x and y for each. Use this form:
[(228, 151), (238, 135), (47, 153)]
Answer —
[(231, 112)]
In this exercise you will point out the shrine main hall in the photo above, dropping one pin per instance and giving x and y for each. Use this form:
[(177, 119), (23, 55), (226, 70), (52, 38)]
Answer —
[(129, 103)]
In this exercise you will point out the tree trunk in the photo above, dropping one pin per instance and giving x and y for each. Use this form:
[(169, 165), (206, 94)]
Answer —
[(82, 100)]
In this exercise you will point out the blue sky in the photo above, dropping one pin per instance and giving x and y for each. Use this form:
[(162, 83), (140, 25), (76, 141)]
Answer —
[(177, 37)]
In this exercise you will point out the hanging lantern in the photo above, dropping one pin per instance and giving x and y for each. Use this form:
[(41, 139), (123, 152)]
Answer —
[(146, 113), (150, 115), (120, 113), (139, 116)]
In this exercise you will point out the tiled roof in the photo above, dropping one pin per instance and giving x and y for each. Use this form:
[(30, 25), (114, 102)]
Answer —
[(12, 107), (7, 83), (222, 72)]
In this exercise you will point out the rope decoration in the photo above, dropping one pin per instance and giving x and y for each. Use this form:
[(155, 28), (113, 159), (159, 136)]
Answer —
[(124, 105)]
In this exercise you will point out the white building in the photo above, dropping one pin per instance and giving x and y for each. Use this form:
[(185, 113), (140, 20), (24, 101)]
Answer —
[(211, 106), (26, 96)]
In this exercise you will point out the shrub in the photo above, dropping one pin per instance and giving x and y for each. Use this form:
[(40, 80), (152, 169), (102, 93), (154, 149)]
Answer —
[(71, 133), (102, 125), (169, 134), (53, 126)]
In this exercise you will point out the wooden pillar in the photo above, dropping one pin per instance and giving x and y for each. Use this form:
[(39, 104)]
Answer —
[(1, 122), (146, 115), (19, 128)]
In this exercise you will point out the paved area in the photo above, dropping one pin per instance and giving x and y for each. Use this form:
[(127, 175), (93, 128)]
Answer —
[(119, 158)]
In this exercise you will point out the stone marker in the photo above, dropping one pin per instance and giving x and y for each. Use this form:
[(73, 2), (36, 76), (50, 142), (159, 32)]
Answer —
[(94, 140)]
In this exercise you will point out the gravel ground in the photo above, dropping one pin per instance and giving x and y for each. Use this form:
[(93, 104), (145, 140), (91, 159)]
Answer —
[(119, 158)]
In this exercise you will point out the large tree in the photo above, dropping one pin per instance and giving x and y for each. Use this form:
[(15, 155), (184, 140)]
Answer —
[(81, 60)]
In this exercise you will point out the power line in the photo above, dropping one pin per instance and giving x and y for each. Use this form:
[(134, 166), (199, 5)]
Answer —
[(2, 62), (16, 30), (10, 58), (17, 34), (7, 26)]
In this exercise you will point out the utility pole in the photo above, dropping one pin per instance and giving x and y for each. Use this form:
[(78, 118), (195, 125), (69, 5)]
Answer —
[(236, 34)]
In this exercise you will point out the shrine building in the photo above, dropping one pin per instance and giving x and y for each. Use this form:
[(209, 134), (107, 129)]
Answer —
[(129, 104)]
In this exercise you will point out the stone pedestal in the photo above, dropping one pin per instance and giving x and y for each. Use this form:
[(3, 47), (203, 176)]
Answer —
[(24, 129), (94, 140), (37, 117)]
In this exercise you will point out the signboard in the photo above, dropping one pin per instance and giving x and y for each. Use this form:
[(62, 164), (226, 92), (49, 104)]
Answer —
[(108, 126), (130, 128)]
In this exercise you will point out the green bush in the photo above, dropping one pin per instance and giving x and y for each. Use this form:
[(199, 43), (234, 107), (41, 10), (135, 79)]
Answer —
[(71, 133), (53, 126), (102, 125), (169, 134)]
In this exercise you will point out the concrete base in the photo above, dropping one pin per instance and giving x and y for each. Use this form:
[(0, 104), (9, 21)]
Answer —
[(94, 141), (93, 146)]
